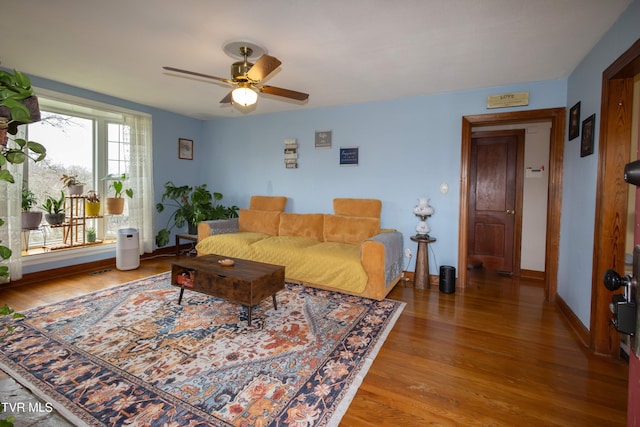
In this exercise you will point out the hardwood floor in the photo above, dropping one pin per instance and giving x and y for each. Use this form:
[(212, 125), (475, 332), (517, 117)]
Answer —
[(497, 355)]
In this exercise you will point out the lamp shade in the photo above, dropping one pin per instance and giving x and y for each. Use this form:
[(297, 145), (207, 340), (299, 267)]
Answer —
[(423, 210), (244, 96)]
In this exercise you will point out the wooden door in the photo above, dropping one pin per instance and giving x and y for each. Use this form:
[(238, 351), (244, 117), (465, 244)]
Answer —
[(495, 199), (633, 409)]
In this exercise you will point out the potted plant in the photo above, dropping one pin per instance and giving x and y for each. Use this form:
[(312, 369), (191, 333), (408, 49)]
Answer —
[(30, 219), (14, 89), (55, 209), (76, 188), (191, 205), (92, 204), (115, 204), (91, 235), (18, 103)]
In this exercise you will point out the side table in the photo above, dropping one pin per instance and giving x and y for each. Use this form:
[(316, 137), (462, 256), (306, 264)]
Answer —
[(422, 261), (190, 237)]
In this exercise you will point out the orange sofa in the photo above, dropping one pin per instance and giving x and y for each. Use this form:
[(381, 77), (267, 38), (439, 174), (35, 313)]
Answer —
[(346, 251)]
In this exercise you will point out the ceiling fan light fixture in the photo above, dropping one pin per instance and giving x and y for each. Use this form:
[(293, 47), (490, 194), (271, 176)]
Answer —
[(244, 96)]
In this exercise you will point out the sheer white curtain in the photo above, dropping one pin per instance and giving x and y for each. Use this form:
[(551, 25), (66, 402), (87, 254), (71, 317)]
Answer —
[(141, 207), (10, 211)]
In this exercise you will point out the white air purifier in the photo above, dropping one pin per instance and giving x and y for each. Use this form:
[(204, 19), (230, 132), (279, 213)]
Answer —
[(127, 249)]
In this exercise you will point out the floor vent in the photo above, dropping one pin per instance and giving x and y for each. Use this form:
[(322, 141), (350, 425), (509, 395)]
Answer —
[(106, 270)]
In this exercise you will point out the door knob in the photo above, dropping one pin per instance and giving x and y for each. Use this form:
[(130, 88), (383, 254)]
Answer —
[(511, 212)]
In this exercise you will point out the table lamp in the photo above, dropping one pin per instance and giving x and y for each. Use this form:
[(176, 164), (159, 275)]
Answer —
[(423, 211)]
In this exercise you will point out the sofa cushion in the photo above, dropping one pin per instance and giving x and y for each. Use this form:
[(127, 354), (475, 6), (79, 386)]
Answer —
[(349, 229), (357, 207), (259, 221), (237, 245), (310, 226), (282, 250), (268, 203), (332, 264)]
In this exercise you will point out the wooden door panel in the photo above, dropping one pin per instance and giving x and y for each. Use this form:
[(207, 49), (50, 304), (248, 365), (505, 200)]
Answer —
[(491, 177), (493, 198), (489, 239)]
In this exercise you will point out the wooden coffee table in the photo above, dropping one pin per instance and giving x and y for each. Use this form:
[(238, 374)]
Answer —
[(246, 282)]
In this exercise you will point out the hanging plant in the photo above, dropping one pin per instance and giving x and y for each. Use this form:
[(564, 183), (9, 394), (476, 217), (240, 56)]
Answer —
[(15, 88), (18, 103)]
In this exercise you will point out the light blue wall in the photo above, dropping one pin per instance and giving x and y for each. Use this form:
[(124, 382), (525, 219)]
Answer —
[(167, 128), (580, 174), (407, 148)]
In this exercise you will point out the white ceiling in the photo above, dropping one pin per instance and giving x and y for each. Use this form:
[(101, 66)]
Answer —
[(338, 51)]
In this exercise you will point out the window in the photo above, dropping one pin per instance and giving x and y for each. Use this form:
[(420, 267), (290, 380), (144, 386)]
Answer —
[(92, 142)]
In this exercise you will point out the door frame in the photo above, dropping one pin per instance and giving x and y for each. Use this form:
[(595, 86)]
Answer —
[(557, 117), (611, 193), (519, 188)]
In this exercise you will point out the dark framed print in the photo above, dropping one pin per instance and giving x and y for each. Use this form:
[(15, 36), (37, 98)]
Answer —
[(349, 156), (588, 130), (574, 121), (185, 149)]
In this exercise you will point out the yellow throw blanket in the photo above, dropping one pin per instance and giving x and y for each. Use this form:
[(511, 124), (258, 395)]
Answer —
[(307, 260)]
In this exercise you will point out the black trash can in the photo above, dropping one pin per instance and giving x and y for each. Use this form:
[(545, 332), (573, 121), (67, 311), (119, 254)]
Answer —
[(447, 279)]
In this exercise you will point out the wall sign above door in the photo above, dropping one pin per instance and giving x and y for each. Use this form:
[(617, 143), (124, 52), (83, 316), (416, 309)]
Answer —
[(514, 99)]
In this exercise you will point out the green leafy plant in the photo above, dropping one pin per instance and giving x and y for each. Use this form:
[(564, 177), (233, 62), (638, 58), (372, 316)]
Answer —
[(118, 186), (28, 199), (7, 422), (190, 206), (18, 155), (69, 180), (5, 310), (15, 88), (91, 234), (52, 205)]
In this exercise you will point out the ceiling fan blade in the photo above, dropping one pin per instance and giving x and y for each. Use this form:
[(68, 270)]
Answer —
[(193, 73), (287, 93), (226, 99), (263, 67)]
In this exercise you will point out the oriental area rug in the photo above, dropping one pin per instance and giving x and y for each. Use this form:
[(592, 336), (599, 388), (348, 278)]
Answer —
[(130, 355)]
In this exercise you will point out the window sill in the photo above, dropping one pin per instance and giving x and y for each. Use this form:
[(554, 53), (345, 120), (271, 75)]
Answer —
[(34, 259)]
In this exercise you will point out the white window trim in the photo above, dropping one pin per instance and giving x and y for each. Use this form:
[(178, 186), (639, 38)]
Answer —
[(83, 102)]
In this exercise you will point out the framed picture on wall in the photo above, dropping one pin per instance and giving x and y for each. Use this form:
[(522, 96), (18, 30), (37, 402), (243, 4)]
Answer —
[(185, 149), (323, 139), (588, 129), (349, 156), (574, 121)]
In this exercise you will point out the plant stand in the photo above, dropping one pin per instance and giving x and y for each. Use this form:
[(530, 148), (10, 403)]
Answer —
[(26, 234), (75, 225)]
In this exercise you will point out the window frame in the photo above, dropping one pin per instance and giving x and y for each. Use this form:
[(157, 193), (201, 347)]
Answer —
[(102, 115)]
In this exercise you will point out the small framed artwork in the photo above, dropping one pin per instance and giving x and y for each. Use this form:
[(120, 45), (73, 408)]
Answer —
[(574, 121), (588, 130), (349, 156), (323, 139), (185, 149)]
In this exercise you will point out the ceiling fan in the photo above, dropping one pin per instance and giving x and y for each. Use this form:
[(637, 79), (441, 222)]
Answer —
[(247, 78)]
